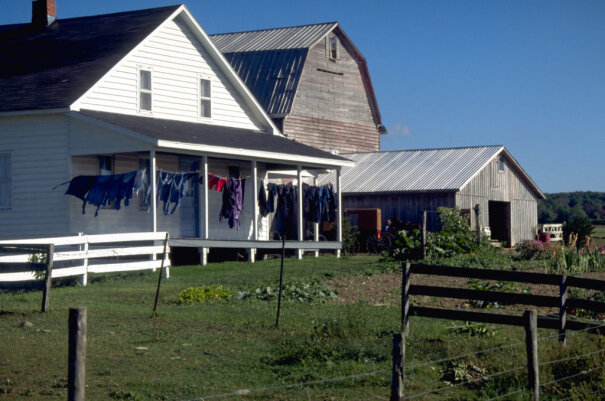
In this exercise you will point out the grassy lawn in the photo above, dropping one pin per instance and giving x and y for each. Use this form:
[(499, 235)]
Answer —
[(232, 348)]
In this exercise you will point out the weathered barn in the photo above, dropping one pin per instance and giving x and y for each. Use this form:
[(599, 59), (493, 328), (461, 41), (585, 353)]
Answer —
[(405, 183), (312, 81)]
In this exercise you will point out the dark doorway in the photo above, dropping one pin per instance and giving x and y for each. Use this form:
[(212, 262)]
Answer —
[(499, 221)]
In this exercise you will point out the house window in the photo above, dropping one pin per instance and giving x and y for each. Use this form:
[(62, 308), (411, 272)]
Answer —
[(332, 47), (105, 165), (145, 90), (234, 172), (6, 181), (205, 98)]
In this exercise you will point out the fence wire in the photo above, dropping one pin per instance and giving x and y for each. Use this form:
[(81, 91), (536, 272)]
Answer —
[(288, 386), (422, 364)]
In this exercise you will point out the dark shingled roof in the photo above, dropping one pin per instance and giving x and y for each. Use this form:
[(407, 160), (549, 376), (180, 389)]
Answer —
[(52, 67), (211, 135)]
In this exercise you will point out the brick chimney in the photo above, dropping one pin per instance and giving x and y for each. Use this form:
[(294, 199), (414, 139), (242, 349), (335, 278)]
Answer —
[(44, 12)]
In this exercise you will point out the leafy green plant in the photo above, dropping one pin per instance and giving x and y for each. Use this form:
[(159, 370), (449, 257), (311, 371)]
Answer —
[(473, 329), (455, 236), (407, 245), (500, 286), (458, 372), (203, 294), (300, 292)]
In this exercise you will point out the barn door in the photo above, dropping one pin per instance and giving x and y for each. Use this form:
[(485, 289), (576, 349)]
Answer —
[(499, 221), (190, 227)]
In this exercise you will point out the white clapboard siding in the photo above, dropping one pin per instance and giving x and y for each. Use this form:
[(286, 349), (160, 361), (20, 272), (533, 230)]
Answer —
[(177, 61), (38, 148)]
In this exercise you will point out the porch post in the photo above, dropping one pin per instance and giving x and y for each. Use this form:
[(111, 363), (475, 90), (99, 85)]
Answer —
[(316, 225), (300, 209), (154, 206), (205, 235), (339, 213), (252, 251)]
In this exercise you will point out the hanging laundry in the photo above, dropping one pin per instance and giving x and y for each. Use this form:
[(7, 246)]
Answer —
[(216, 182), (170, 189), (271, 192), (286, 221), (233, 195), (80, 185), (262, 201)]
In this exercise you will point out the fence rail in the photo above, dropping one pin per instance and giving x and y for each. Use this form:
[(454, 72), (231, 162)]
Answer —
[(529, 320), (83, 254)]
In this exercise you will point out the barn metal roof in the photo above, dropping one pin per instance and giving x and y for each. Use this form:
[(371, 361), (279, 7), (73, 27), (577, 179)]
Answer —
[(293, 37), (272, 76), (421, 170)]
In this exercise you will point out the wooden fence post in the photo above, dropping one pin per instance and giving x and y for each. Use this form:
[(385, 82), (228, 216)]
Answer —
[(562, 308), (405, 298), (398, 370), (531, 341), (76, 383), (477, 225), (157, 293), (281, 279), (424, 213), (49, 278)]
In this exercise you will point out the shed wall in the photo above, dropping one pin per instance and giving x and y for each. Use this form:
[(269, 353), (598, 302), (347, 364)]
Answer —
[(504, 186), (331, 110), (407, 207)]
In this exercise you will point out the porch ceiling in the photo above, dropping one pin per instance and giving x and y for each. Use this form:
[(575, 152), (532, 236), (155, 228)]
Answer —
[(212, 140)]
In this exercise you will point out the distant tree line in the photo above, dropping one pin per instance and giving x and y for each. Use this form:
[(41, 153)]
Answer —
[(567, 206)]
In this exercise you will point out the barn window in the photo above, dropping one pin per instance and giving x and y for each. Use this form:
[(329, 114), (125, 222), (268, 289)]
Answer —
[(501, 164), (145, 90), (6, 181), (332, 47), (205, 98)]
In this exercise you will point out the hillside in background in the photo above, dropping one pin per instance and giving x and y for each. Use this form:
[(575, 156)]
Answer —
[(560, 207)]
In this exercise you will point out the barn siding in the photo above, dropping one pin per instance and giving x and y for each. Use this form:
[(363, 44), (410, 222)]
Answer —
[(177, 61), (407, 207), (331, 109), (506, 186), (38, 148)]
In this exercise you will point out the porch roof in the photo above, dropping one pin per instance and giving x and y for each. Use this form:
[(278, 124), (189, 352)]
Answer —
[(214, 140)]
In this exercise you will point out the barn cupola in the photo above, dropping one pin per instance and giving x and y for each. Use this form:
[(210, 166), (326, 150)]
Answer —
[(44, 13)]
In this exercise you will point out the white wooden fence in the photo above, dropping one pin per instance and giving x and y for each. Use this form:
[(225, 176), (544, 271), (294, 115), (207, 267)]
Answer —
[(104, 253)]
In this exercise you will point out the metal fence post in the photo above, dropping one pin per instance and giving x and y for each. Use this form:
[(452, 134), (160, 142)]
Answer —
[(48, 278), (562, 308), (76, 383), (531, 341), (398, 370), (405, 298)]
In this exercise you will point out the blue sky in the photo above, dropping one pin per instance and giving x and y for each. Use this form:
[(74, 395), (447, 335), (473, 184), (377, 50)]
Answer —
[(526, 74)]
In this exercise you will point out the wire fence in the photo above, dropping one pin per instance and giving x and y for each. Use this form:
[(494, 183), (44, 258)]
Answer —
[(242, 392)]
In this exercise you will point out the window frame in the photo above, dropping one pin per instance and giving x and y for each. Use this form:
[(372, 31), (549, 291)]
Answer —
[(202, 98), (501, 165), (332, 48), (141, 90), (8, 180)]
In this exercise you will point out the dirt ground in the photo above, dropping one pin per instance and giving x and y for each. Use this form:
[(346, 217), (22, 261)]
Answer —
[(384, 289)]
